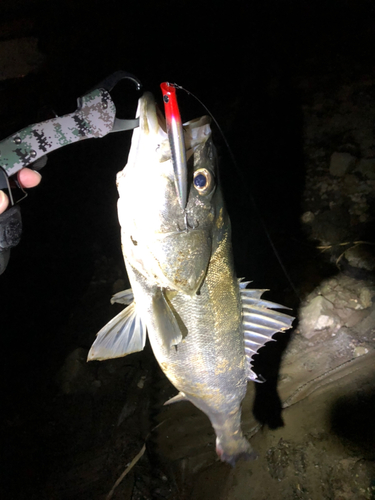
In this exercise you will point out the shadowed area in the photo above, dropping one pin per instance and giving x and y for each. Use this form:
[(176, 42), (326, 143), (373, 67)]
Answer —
[(352, 418)]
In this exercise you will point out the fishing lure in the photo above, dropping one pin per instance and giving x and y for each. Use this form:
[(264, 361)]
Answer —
[(176, 140)]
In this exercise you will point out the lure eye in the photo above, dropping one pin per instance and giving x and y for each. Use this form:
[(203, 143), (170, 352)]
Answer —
[(203, 181)]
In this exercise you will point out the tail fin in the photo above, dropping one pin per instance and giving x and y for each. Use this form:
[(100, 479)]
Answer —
[(231, 445), (235, 450)]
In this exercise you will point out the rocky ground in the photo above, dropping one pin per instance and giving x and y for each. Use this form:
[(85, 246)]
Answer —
[(72, 430)]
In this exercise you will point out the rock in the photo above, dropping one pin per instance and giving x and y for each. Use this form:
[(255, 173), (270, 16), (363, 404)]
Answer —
[(338, 301), (360, 350), (316, 316), (307, 217), (365, 329), (331, 226), (366, 166), (351, 186), (341, 163), (345, 292), (365, 297)]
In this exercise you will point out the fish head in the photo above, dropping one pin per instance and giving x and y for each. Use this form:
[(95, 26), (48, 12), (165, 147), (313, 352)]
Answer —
[(169, 245)]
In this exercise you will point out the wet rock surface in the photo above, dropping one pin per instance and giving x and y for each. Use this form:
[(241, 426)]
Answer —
[(302, 129), (338, 302)]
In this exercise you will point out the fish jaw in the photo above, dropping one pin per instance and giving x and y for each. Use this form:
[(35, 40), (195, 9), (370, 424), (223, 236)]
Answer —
[(169, 251)]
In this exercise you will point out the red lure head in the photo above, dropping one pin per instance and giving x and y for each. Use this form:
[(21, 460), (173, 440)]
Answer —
[(170, 102), (176, 140)]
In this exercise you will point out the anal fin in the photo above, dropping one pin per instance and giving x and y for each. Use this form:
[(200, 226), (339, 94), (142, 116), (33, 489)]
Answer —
[(176, 399)]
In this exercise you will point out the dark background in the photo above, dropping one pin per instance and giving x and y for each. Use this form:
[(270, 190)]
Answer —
[(242, 59)]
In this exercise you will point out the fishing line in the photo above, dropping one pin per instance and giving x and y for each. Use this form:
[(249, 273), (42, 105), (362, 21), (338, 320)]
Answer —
[(252, 199)]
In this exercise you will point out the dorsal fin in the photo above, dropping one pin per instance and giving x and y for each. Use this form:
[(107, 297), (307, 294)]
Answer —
[(260, 322)]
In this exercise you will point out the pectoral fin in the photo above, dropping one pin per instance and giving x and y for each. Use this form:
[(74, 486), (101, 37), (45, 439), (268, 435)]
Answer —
[(260, 322), (124, 334), (165, 321)]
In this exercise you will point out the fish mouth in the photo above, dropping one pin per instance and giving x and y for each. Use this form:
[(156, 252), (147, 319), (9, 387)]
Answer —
[(181, 231), (172, 144), (172, 141)]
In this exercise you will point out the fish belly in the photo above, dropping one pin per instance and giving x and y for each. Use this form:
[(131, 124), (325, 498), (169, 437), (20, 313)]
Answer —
[(209, 364)]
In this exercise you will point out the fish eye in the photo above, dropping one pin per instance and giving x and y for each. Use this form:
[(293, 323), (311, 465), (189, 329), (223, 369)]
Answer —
[(203, 181)]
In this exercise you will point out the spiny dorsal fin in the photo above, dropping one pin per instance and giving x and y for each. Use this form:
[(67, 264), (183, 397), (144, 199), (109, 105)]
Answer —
[(260, 322)]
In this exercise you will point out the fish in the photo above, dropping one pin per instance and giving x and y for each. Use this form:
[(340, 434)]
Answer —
[(203, 323)]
